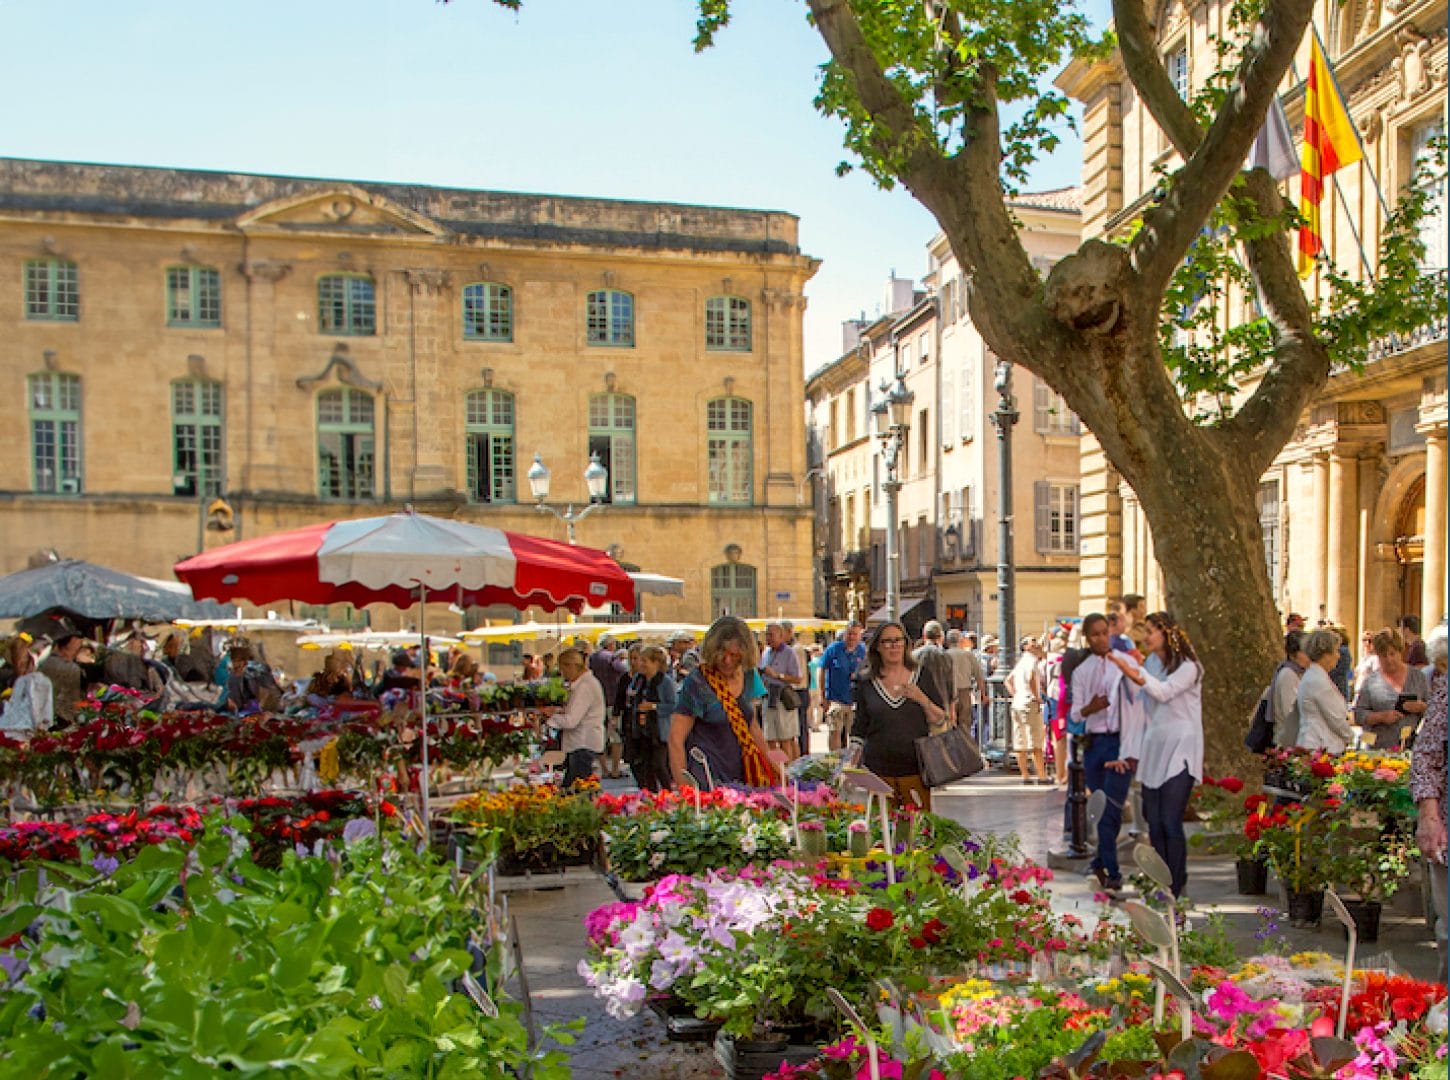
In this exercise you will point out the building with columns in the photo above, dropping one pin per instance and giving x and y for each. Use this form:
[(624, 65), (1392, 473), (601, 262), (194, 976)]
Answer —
[(948, 508), (318, 349), (1353, 508)]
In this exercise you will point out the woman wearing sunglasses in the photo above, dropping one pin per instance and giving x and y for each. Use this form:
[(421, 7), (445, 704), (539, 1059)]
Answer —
[(897, 703)]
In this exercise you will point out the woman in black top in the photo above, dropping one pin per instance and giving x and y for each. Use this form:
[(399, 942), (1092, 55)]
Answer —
[(897, 703)]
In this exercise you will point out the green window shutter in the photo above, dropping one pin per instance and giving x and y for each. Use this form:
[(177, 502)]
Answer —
[(1042, 514)]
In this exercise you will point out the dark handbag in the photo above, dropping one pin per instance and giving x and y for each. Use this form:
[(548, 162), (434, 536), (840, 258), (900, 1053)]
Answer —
[(789, 699), (951, 755), (1261, 726)]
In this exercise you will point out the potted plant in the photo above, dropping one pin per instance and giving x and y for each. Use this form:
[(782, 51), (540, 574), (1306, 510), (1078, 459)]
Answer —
[(539, 827), (1296, 840), (1371, 862)]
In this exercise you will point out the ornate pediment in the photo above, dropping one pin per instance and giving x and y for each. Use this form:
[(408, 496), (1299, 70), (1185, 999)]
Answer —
[(341, 210)]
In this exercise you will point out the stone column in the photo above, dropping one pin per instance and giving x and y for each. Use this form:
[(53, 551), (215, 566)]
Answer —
[(1368, 495), (1432, 594), (1343, 539), (1318, 541)]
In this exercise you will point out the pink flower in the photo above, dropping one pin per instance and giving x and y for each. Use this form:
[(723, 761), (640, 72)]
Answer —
[(1336, 789)]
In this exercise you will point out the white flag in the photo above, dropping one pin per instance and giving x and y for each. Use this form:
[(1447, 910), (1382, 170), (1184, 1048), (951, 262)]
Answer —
[(1273, 147)]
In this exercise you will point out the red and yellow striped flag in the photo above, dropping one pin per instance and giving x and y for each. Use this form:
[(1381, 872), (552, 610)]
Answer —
[(1329, 142)]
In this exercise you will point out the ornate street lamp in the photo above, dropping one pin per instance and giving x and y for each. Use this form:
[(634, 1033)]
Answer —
[(596, 480), (892, 414)]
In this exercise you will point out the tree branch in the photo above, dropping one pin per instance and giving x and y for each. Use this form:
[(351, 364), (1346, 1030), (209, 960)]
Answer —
[(1265, 423), (1216, 156)]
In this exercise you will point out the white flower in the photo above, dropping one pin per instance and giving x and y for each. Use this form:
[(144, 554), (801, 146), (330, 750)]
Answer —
[(656, 860), (659, 836)]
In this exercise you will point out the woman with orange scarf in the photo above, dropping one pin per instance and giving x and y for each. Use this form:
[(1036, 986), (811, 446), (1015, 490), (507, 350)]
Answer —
[(715, 713)]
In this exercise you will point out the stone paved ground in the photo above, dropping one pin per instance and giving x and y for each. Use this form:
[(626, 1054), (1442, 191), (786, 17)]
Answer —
[(551, 927)]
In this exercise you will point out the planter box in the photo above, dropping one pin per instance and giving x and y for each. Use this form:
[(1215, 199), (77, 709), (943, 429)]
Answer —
[(543, 860), (750, 1059), (681, 1023)]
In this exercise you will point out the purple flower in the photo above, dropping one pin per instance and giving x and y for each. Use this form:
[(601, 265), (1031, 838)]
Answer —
[(358, 829), (105, 864)]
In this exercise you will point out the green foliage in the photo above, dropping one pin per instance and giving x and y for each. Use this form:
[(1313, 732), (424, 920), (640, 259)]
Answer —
[(645, 846), (1207, 943), (185, 965)]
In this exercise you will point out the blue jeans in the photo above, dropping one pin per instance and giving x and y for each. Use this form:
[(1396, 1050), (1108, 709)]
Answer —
[(1101, 750), (1163, 808)]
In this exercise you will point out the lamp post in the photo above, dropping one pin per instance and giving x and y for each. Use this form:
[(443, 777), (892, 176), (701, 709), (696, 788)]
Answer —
[(1004, 417), (213, 514), (893, 421), (596, 479)]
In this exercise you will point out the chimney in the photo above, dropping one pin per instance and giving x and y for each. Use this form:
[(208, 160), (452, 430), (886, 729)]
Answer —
[(900, 294), (851, 333)]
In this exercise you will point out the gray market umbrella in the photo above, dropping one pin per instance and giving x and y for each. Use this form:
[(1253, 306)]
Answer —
[(82, 590)]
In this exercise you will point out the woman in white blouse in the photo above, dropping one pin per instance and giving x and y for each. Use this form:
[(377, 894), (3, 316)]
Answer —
[(1323, 712), (1169, 753)]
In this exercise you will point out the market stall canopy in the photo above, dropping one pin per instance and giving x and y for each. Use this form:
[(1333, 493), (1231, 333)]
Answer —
[(593, 631), (803, 623), (386, 559), (258, 625), (81, 590), (657, 584), (372, 639)]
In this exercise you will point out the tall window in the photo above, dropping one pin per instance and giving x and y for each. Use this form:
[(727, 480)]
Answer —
[(948, 407), (966, 391), (1432, 225), (727, 324), (609, 318), (489, 429), (732, 590), (488, 312), (1269, 526), (1177, 64), (1050, 414), (345, 463), (1056, 518), (55, 433), (729, 447), (611, 436), (193, 296), (52, 290), (923, 448), (346, 305), (196, 437)]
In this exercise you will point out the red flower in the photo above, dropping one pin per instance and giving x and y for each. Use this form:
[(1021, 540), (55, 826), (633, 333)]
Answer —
[(934, 931), (918, 942), (1021, 896), (1232, 784), (1253, 802), (880, 918), (1322, 768)]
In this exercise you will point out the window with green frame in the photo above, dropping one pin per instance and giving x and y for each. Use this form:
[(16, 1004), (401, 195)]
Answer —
[(55, 433), (196, 437), (52, 290), (488, 311), (729, 447), (489, 434), (732, 590), (193, 296), (612, 437), (345, 463), (609, 318), (727, 324), (346, 305)]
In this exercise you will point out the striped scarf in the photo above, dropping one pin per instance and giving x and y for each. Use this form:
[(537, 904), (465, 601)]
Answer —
[(757, 769)]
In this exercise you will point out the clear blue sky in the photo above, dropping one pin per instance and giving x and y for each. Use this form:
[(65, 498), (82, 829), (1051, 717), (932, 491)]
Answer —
[(567, 96)]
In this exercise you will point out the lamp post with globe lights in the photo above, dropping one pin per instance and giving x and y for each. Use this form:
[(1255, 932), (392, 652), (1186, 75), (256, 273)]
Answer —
[(893, 420), (596, 480)]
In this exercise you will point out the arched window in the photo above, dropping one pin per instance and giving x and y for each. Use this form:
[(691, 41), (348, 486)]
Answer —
[(345, 462), (729, 450), (488, 312), (55, 432), (727, 324), (612, 437), (193, 296), (52, 290), (196, 437), (609, 318), (489, 432), (346, 305), (732, 590)]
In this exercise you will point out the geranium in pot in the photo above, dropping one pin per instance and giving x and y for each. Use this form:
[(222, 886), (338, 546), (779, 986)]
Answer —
[(1296, 839)]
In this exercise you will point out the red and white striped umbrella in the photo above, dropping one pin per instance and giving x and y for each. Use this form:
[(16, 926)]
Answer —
[(387, 559)]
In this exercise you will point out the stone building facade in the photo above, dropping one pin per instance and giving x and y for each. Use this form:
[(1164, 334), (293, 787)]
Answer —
[(1353, 509), (948, 509), (318, 349)]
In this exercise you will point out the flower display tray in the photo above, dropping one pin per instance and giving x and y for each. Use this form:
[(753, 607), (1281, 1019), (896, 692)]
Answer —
[(748, 1059), (534, 880), (681, 1024)]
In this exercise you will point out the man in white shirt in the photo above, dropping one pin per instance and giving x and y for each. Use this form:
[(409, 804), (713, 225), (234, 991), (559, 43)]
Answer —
[(967, 676), (1097, 700), (581, 720), (1028, 736)]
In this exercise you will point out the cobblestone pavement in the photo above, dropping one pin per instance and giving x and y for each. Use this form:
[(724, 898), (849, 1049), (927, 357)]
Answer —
[(551, 928)]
